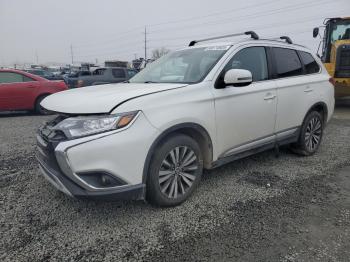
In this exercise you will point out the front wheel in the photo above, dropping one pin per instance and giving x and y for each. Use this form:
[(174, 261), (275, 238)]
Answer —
[(175, 171), (310, 135)]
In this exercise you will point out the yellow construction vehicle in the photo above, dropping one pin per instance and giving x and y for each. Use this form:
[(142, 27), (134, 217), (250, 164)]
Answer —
[(336, 52)]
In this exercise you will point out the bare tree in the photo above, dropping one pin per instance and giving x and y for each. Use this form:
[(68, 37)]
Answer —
[(159, 52)]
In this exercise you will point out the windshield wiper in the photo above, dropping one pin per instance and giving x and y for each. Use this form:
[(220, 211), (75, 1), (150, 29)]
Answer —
[(149, 82)]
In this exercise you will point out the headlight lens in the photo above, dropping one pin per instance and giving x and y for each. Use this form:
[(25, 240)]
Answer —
[(74, 127)]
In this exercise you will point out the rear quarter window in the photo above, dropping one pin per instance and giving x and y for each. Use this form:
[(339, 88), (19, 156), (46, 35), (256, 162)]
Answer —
[(310, 64), (287, 62)]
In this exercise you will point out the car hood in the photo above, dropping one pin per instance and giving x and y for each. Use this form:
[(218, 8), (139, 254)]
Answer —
[(101, 98)]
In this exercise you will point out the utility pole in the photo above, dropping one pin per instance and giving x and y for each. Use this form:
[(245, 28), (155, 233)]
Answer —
[(145, 43), (71, 53)]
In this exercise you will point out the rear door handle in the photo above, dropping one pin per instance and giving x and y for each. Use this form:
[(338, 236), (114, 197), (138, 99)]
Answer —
[(269, 97), (30, 86)]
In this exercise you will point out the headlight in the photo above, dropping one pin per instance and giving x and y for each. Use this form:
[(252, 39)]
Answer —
[(80, 126)]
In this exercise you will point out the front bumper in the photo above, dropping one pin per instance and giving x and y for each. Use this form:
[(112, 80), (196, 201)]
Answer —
[(120, 154), (60, 181)]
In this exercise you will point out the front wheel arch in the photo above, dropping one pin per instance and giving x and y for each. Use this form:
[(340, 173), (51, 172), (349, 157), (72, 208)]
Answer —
[(195, 131)]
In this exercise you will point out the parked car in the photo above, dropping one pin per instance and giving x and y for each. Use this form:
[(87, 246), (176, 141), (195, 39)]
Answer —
[(106, 75), (193, 109), (72, 78), (45, 74), (23, 91)]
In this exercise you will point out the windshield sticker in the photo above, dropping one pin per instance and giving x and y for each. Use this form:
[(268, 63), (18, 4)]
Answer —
[(217, 48)]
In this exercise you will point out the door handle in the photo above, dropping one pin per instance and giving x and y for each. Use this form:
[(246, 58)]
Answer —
[(269, 97), (30, 86), (308, 89)]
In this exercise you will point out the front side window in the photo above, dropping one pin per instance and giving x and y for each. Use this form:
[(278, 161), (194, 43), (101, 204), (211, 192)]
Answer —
[(9, 77), (252, 59), (184, 66), (287, 62), (309, 62)]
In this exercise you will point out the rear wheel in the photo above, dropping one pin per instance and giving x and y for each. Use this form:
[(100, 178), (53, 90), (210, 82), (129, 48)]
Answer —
[(175, 171), (310, 135), (38, 108)]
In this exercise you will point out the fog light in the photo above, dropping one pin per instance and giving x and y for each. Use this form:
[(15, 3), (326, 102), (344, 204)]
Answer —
[(101, 179)]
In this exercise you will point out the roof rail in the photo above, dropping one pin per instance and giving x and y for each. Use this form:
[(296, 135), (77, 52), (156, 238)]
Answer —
[(288, 40), (251, 33)]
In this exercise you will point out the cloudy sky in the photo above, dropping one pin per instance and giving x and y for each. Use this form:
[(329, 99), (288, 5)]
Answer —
[(114, 29)]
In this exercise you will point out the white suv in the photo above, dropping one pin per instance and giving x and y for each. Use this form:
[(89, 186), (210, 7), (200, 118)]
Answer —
[(195, 108)]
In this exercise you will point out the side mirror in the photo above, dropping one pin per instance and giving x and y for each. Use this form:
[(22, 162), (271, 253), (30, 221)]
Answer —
[(315, 32), (238, 77)]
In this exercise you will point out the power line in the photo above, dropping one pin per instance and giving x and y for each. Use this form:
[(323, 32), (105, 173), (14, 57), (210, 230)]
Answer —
[(273, 25), (214, 14), (243, 17)]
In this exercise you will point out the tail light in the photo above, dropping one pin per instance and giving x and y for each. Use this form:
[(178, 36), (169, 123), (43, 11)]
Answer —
[(332, 81), (80, 83)]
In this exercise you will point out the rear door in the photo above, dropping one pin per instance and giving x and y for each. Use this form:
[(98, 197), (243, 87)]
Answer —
[(16, 91), (293, 91)]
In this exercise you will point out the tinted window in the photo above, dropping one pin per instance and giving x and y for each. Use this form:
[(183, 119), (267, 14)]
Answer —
[(99, 71), (9, 77), (131, 73), (27, 79), (309, 62), (84, 73), (118, 73), (287, 62), (252, 59)]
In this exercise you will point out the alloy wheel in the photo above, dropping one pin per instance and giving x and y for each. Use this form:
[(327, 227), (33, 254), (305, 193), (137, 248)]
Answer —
[(313, 133), (177, 172)]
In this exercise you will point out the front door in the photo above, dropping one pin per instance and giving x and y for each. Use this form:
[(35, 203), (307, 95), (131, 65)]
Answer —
[(16, 91), (246, 115)]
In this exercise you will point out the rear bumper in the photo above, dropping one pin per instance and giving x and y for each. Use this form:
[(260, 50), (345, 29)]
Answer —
[(59, 180)]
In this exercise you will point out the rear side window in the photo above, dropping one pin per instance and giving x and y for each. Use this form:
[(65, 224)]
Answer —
[(27, 79), (287, 62), (118, 73), (309, 62)]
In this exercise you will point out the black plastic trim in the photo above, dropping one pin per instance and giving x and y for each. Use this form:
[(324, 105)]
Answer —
[(165, 133)]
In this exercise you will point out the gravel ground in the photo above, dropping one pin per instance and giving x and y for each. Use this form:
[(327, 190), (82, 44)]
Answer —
[(261, 208)]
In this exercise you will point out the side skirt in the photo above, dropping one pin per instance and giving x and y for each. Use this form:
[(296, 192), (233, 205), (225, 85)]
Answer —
[(278, 142)]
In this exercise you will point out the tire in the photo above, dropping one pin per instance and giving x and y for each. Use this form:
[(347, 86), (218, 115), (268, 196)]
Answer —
[(311, 134), (38, 108), (170, 183)]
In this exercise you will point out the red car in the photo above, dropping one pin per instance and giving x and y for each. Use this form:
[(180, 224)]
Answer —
[(23, 91)]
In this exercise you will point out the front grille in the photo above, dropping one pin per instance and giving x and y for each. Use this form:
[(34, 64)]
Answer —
[(342, 68)]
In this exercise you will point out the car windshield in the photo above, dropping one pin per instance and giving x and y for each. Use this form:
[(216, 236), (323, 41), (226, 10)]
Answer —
[(184, 66), (340, 31)]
